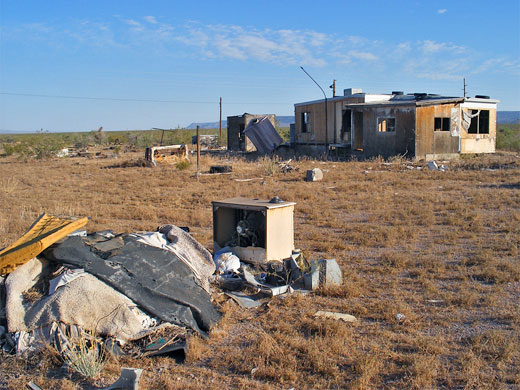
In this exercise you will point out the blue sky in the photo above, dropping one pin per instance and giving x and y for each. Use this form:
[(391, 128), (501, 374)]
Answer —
[(78, 65)]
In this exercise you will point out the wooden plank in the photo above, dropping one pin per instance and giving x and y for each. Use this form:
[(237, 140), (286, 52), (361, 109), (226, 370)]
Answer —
[(44, 232)]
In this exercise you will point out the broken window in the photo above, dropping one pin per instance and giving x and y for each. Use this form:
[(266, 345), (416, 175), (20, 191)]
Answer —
[(483, 122), (442, 124), (306, 122), (479, 122), (386, 125)]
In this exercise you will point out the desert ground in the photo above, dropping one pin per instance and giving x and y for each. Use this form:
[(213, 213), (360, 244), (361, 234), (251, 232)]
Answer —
[(439, 248)]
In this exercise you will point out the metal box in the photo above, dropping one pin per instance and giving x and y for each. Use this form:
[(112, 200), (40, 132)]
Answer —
[(257, 230)]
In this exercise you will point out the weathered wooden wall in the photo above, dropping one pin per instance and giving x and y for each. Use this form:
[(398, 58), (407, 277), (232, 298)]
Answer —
[(436, 143), (401, 141)]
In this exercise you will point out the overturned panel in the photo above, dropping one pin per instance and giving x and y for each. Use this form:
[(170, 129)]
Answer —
[(263, 135), (156, 279), (45, 231)]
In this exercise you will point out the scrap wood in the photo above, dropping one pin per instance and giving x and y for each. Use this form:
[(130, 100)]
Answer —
[(44, 232), (251, 179)]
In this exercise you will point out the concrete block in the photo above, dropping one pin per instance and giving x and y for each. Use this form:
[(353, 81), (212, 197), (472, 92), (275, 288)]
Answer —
[(330, 273), (315, 174)]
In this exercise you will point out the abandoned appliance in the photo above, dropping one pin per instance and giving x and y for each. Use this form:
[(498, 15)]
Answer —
[(257, 231)]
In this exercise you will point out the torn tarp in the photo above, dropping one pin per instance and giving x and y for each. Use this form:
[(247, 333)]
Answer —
[(157, 280), (263, 135)]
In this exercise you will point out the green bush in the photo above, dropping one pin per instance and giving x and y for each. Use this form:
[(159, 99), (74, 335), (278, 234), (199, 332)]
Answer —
[(508, 137)]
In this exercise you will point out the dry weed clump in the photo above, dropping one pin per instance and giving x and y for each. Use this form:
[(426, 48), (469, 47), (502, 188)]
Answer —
[(440, 248)]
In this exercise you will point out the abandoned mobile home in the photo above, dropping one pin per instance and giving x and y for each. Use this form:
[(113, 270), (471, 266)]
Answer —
[(419, 125)]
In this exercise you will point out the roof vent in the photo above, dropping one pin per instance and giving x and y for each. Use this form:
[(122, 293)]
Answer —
[(482, 97), (397, 93), (352, 91)]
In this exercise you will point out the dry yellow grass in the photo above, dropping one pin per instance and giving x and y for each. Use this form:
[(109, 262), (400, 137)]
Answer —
[(441, 248)]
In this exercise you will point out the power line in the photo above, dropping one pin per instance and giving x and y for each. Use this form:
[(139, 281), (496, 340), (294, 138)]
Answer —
[(130, 100)]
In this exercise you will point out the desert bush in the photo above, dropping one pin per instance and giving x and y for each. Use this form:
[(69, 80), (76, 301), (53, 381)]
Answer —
[(182, 165), (85, 355)]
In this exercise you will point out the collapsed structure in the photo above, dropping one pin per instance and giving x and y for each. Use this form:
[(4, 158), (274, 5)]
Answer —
[(420, 125), (237, 140)]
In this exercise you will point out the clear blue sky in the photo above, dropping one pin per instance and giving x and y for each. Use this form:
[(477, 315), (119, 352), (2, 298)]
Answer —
[(166, 63)]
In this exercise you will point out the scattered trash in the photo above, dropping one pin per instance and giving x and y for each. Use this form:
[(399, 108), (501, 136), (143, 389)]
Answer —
[(285, 166), (251, 179), (129, 379), (247, 301), (226, 262), (33, 386), (162, 346), (315, 174), (207, 141), (400, 317), (335, 316), (432, 166), (220, 169)]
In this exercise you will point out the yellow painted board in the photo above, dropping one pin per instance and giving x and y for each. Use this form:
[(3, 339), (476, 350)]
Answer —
[(44, 232)]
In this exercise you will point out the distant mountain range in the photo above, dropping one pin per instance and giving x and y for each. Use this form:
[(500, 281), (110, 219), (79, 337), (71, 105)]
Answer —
[(283, 121), (508, 117)]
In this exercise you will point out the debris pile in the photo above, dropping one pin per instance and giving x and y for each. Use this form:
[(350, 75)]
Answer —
[(121, 287), (143, 294)]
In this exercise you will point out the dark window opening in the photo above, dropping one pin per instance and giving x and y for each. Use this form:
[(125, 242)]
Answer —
[(306, 119), (386, 125), (480, 122), (442, 124), (347, 121), (483, 122)]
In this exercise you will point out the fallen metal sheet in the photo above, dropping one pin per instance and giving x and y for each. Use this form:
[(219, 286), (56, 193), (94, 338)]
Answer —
[(263, 135), (157, 280), (246, 301), (45, 231)]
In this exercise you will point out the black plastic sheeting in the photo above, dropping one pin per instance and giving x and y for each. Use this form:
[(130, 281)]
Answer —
[(155, 279)]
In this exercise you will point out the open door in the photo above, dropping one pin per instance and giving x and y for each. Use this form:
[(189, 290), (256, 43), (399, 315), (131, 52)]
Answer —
[(357, 142)]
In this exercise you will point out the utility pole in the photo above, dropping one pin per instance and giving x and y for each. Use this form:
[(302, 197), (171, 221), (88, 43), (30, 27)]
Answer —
[(333, 86), (220, 123), (464, 89), (326, 113), (198, 150)]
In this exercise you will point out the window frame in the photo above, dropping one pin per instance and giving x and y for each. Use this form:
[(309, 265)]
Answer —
[(306, 122), (387, 125), (445, 123)]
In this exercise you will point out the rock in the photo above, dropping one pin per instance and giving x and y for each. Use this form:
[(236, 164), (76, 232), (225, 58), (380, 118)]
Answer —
[(315, 174)]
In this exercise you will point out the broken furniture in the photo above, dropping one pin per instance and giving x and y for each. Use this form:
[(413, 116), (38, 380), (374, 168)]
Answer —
[(171, 154), (257, 231)]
